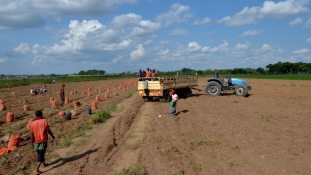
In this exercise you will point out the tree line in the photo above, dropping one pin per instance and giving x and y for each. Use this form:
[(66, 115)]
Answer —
[(92, 72), (277, 68)]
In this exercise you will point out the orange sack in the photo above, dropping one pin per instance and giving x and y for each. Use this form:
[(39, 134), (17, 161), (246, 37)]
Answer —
[(10, 117), (13, 142), (29, 123)]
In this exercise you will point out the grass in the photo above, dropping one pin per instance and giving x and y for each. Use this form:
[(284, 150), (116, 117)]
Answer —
[(175, 171), (114, 108), (280, 76), (236, 147), (196, 166), (268, 118), (80, 142), (20, 124), (131, 136), (129, 95), (145, 130), (135, 169), (100, 117), (211, 142), (82, 130), (3, 161), (6, 132), (64, 143)]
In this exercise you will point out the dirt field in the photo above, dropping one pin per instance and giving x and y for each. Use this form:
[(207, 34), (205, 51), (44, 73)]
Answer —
[(265, 133)]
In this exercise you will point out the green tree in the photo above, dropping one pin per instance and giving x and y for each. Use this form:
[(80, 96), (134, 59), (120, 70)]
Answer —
[(82, 72)]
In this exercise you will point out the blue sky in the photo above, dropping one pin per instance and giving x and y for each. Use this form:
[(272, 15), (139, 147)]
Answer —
[(67, 36)]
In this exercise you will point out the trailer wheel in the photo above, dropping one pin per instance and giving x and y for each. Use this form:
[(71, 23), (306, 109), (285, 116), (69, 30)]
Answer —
[(187, 92), (166, 96), (147, 99)]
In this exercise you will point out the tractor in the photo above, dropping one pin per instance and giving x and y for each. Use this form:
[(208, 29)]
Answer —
[(216, 85)]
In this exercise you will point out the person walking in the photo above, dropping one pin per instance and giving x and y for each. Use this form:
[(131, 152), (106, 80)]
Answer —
[(39, 130), (172, 110), (62, 95)]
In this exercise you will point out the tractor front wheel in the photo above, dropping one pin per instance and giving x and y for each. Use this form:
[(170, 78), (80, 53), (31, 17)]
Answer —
[(241, 90), (213, 88)]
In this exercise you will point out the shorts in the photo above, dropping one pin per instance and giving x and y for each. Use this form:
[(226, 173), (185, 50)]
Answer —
[(41, 148)]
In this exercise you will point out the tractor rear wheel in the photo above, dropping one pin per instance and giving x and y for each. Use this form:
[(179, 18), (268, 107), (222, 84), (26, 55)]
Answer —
[(241, 90), (213, 88)]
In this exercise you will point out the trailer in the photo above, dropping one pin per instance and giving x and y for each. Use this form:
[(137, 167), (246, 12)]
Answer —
[(160, 87)]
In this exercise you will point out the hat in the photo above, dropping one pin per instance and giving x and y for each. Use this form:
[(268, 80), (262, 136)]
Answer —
[(173, 91)]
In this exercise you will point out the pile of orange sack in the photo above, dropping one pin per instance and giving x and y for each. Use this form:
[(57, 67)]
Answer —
[(13, 143)]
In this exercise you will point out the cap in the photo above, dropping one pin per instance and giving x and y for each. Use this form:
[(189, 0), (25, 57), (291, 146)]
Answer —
[(173, 91)]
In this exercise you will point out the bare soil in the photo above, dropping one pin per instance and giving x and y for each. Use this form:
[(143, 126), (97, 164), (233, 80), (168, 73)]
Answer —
[(267, 132)]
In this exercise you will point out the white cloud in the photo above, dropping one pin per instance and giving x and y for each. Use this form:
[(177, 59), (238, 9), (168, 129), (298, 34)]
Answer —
[(136, 54), (212, 32), (309, 40), (206, 49), (177, 14), (126, 20), (295, 22), (281, 51), (3, 60), (134, 24), (179, 31), (251, 33), (202, 22), (85, 36), (148, 42), (242, 46), (23, 48), (163, 52), (265, 47), (302, 51), (145, 28), (308, 24), (246, 16), (284, 9), (279, 10), (117, 60), (33, 13), (221, 48), (193, 46)]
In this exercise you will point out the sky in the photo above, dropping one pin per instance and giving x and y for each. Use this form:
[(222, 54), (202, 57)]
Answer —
[(67, 36)]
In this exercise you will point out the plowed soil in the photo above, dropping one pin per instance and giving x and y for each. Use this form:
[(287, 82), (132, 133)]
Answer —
[(267, 132)]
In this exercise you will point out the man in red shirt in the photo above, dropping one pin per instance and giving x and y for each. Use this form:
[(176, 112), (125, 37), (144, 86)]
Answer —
[(39, 136), (148, 73)]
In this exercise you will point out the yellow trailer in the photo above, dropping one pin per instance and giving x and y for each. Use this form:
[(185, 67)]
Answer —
[(160, 87)]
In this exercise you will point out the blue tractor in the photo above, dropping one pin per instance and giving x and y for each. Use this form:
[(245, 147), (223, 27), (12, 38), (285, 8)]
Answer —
[(216, 85)]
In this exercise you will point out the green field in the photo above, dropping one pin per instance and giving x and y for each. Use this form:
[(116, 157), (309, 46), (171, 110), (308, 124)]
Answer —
[(280, 76), (8, 83)]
